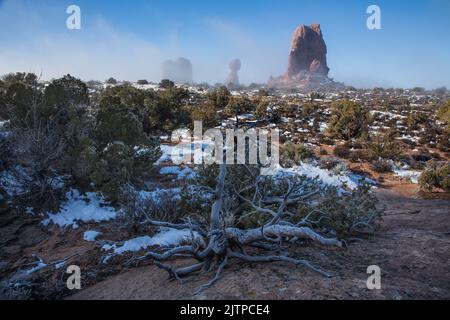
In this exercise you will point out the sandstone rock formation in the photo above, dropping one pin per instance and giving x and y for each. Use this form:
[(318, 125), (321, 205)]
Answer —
[(179, 71), (308, 52), (307, 66), (233, 78)]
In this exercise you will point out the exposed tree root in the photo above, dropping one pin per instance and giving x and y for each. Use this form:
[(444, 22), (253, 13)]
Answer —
[(214, 248)]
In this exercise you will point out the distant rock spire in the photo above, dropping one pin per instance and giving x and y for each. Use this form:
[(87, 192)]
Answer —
[(179, 71), (233, 78)]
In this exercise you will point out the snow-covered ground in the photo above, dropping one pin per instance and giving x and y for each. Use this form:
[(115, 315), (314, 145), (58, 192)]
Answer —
[(411, 175), (176, 153), (185, 173), (166, 237), (9, 182), (91, 235), (342, 181), (158, 194), (78, 208)]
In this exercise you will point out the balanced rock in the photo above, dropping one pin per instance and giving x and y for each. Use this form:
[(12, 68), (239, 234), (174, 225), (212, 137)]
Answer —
[(233, 77)]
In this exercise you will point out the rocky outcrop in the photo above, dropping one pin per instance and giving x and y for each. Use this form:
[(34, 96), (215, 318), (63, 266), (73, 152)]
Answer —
[(307, 65), (308, 52), (179, 71)]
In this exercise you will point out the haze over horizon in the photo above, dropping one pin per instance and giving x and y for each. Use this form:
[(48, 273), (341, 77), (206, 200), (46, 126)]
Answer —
[(130, 40)]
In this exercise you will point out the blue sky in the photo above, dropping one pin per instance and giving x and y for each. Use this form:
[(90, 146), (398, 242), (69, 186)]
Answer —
[(130, 39)]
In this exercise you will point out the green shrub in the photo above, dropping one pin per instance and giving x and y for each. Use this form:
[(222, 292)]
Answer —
[(205, 113), (22, 103), (414, 119), (123, 151), (111, 81), (261, 110), (348, 121), (166, 84), (381, 165), (436, 175), (239, 105), (382, 146), (64, 98), (342, 151), (220, 97), (443, 115), (323, 152), (293, 154), (166, 111)]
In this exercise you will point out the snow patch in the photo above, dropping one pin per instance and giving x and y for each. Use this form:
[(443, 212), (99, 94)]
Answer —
[(186, 173), (158, 194), (90, 235), (411, 175), (344, 180), (166, 237), (88, 208)]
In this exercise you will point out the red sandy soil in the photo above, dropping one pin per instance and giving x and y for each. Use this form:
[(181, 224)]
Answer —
[(412, 247)]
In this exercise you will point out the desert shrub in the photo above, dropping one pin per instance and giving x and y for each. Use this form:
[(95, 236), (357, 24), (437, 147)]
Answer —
[(21, 104), (239, 105), (342, 151), (344, 215), (122, 150), (382, 146), (166, 111), (159, 112), (381, 165), (414, 119), (205, 113), (355, 155), (349, 120), (162, 207), (443, 143), (436, 175), (65, 107), (111, 81), (308, 110), (38, 154), (326, 140), (56, 135), (47, 131), (166, 84), (326, 209), (195, 204), (219, 97), (29, 79), (334, 165), (293, 154), (63, 98), (261, 110), (263, 93), (443, 115)]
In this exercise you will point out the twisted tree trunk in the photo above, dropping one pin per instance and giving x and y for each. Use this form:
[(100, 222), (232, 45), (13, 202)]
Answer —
[(218, 244)]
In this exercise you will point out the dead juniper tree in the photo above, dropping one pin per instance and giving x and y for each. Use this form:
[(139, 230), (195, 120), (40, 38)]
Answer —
[(252, 211)]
